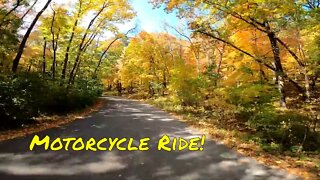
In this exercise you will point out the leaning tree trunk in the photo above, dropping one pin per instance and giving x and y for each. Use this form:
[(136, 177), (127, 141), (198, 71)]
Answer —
[(306, 92), (83, 44), (102, 56), (9, 12), (27, 12), (25, 38)]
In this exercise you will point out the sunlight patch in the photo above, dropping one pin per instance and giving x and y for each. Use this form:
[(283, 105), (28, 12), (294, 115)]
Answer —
[(24, 164)]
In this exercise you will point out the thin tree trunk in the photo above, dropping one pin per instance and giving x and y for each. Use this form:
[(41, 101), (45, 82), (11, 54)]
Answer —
[(9, 12), (44, 56), (208, 57), (102, 56), (66, 57), (263, 76), (83, 44), (307, 84), (27, 12), (197, 56), (221, 52), (54, 62), (313, 81), (25, 38), (53, 44), (303, 67), (279, 69), (75, 65), (72, 78), (78, 60), (29, 68), (106, 50), (119, 87)]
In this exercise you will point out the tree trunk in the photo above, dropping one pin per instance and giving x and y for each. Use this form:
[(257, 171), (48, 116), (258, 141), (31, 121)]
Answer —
[(119, 88), (263, 76), (25, 38), (27, 12), (29, 68), (9, 12), (102, 56), (279, 70), (75, 65), (221, 52), (257, 59), (197, 56), (151, 90), (303, 66), (53, 45), (314, 81), (44, 56), (66, 57), (164, 81), (83, 45), (105, 52), (307, 84)]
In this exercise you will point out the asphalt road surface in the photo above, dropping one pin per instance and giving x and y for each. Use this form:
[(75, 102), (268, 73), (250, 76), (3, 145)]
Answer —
[(131, 119)]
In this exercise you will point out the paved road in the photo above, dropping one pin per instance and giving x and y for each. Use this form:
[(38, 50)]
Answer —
[(127, 118)]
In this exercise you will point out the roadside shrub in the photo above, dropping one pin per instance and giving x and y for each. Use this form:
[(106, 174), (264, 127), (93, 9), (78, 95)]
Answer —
[(219, 107), (28, 95), (188, 91), (289, 129), (17, 100), (252, 96), (168, 103)]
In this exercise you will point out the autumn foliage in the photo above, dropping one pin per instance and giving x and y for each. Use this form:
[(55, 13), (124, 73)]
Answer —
[(250, 66)]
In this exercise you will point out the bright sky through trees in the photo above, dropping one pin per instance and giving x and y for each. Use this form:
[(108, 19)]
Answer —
[(148, 18)]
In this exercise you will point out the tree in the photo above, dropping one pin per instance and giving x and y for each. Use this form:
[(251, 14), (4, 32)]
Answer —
[(26, 36), (268, 17)]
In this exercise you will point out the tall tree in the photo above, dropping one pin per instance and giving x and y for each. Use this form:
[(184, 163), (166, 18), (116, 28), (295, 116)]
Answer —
[(26, 36), (67, 54)]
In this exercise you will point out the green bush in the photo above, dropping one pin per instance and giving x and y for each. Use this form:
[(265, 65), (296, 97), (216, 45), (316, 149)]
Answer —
[(251, 96), (25, 96), (288, 129), (188, 91), (219, 108), (168, 103)]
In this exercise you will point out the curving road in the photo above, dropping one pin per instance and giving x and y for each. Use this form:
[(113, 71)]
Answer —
[(127, 118)]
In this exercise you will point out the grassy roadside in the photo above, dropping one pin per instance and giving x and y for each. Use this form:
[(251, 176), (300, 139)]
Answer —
[(303, 164), (48, 122)]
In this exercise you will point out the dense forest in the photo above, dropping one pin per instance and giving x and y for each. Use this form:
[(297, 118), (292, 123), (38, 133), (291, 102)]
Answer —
[(248, 65), (251, 65), (54, 57)]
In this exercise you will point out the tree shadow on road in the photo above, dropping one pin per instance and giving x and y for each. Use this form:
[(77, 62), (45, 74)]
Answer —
[(127, 118)]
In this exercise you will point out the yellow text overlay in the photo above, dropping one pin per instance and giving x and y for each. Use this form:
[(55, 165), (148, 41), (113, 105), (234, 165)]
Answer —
[(165, 143)]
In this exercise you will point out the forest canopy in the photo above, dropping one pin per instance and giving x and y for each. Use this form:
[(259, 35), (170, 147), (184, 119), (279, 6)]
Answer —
[(53, 55)]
